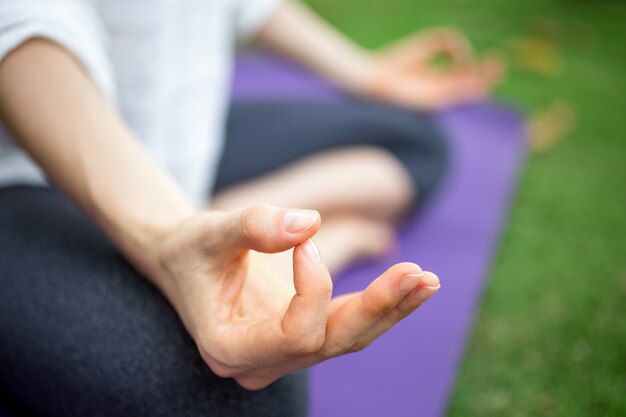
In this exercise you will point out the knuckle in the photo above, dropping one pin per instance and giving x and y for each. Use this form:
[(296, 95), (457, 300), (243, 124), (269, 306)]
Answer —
[(253, 384), (254, 211), (325, 288), (308, 344), (249, 225), (342, 349), (357, 347), (376, 304), (336, 349), (222, 371), (331, 352), (221, 364), (246, 222)]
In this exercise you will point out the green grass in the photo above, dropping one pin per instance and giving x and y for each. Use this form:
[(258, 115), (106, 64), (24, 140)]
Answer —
[(550, 338)]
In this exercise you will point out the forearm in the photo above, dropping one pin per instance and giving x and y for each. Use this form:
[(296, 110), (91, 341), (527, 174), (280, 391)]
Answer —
[(60, 118), (294, 30)]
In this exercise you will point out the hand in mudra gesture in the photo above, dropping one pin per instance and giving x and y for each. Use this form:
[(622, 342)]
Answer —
[(255, 326), (403, 72)]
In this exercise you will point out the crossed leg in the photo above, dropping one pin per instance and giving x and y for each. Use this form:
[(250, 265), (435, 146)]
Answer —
[(361, 165), (359, 191), (82, 333)]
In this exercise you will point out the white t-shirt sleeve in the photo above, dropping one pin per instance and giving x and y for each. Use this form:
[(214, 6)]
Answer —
[(73, 24), (251, 15)]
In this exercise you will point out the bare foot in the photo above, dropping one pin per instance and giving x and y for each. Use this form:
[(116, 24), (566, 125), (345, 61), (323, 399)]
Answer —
[(347, 238), (343, 239), (363, 180)]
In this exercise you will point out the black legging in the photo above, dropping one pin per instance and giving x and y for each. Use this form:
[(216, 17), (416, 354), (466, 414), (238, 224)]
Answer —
[(264, 136), (81, 334)]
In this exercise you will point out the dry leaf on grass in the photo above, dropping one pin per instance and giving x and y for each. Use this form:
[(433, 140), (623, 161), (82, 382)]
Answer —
[(547, 127), (538, 55)]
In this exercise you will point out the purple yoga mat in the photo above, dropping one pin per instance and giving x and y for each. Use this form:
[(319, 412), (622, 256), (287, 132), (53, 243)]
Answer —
[(410, 371)]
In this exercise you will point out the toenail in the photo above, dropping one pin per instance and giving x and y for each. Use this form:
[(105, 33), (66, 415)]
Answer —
[(298, 221)]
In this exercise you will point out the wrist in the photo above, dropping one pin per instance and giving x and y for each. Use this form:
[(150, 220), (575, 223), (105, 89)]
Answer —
[(370, 77), (144, 235), (360, 72)]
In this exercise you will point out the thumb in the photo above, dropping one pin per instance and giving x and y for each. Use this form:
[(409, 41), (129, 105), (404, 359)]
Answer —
[(270, 229)]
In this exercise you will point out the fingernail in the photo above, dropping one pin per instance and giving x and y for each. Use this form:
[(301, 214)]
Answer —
[(409, 282), (425, 292), (298, 221), (311, 251), (431, 281), (432, 287)]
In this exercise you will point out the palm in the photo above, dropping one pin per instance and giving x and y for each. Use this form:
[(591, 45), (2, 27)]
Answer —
[(252, 324), (251, 290)]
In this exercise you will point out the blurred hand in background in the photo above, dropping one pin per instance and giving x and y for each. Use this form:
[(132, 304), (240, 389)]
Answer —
[(404, 73), (433, 69)]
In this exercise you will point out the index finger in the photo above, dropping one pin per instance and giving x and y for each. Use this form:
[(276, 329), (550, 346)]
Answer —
[(448, 41), (351, 316)]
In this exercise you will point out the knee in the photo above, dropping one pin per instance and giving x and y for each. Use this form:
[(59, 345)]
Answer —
[(395, 189), (424, 152), (417, 144)]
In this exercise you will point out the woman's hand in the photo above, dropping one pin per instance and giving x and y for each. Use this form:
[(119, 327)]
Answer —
[(255, 326), (404, 74), (400, 74), (248, 323)]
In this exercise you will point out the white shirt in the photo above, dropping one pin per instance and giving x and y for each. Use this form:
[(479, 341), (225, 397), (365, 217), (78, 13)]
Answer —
[(165, 64)]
